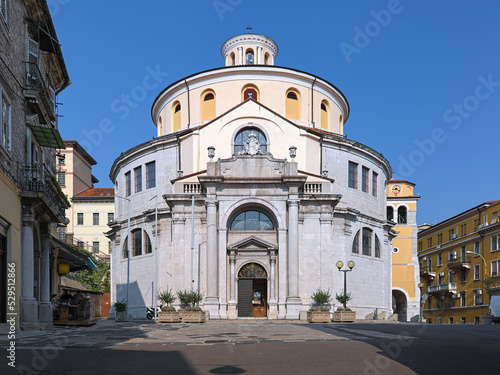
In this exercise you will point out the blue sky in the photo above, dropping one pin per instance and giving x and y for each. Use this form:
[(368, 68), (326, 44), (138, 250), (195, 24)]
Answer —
[(422, 77)]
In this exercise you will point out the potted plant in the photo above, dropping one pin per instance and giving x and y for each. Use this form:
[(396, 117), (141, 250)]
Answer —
[(121, 311), (319, 313), (168, 314), (191, 313), (344, 313)]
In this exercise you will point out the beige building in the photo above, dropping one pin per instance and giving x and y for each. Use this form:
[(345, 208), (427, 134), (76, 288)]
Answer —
[(91, 208)]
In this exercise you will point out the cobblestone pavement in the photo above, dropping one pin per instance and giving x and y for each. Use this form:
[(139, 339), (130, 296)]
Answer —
[(109, 333)]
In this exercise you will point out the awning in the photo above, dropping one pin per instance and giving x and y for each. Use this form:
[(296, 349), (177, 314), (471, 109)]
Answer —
[(48, 137), (91, 264), (67, 255)]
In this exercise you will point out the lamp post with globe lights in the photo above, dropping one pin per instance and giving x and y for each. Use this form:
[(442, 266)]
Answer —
[(340, 264)]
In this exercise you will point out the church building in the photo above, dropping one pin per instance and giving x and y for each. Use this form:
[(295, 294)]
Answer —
[(251, 193)]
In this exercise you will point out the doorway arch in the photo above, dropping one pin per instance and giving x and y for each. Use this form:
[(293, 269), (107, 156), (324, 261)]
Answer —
[(252, 291), (399, 303)]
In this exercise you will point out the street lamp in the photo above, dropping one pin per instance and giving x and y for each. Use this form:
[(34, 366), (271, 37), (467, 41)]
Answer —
[(340, 264), (484, 260), (128, 250), (420, 286)]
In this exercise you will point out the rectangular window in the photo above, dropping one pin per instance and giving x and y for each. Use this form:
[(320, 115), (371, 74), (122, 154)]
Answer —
[(451, 234), (419, 246), (374, 184), (111, 217), (429, 242), (137, 179), (440, 279), (127, 184), (495, 267), (61, 159), (476, 223), (61, 178), (440, 238), (463, 275), (79, 218), (150, 175), (478, 300), (95, 246), (364, 179), (367, 241), (451, 276), (137, 242), (476, 272), (429, 263), (5, 125), (494, 217), (495, 242), (95, 218), (440, 259), (476, 248), (429, 302), (353, 175)]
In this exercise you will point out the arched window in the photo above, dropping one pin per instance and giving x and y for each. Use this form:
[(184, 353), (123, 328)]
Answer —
[(292, 105), (266, 58), (355, 244), (207, 105), (232, 59), (250, 91), (139, 242), (390, 213), (176, 116), (160, 128), (325, 116), (341, 125), (242, 136), (249, 57), (252, 220), (377, 247), (402, 215), (367, 241)]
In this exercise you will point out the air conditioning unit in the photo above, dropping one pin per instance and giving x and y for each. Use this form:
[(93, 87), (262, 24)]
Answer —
[(456, 296), (441, 274), (424, 258), (453, 236), (438, 247)]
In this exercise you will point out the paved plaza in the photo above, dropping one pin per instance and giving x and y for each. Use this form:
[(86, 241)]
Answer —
[(254, 347)]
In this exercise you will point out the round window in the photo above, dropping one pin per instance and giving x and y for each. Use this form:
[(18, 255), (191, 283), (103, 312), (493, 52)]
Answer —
[(395, 250)]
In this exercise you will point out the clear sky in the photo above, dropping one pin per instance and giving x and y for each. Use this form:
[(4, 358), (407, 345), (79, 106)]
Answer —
[(422, 77)]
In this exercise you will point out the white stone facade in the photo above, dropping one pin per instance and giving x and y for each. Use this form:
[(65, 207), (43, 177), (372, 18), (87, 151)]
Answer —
[(308, 216)]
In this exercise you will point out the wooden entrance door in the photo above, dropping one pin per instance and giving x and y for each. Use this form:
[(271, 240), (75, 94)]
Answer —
[(259, 298), (252, 298)]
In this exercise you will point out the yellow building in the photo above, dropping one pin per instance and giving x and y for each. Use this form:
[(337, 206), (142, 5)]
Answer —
[(402, 211), (455, 257)]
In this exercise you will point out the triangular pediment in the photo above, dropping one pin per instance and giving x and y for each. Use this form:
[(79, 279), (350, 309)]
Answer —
[(252, 243)]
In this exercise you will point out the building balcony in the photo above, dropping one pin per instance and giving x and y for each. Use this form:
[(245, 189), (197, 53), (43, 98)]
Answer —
[(461, 262), (428, 272), (442, 288), (40, 96), (40, 187)]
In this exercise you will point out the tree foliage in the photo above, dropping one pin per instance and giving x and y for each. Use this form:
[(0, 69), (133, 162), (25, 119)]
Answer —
[(97, 281)]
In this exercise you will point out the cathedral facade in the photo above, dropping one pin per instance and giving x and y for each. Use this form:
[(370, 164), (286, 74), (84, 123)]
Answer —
[(251, 194)]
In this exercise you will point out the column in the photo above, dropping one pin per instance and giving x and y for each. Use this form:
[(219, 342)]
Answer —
[(293, 248), (45, 305), (273, 306), (259, 55), (211, 300), (231, 306), (240, 55), (29, 307), (293, 299)]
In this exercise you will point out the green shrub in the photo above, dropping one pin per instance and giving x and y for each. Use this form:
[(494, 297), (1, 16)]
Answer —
[(321, 298), (343, 299), (121, 306), (189, 299), (166, 297)]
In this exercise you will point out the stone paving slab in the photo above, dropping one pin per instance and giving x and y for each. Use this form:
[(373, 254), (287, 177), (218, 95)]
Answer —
[(111, 333)]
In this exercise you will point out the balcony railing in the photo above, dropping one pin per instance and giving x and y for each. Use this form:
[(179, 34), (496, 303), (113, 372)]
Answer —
[(428, 271), (36, 181), (442, 288), (461, 262), (192, 188), (36, 80)]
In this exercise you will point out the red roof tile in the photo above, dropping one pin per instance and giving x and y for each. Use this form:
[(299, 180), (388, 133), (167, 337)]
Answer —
[(97, 192)]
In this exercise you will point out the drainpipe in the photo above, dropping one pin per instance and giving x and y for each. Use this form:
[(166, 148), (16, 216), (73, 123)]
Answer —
[(189, 106), (312, 102)]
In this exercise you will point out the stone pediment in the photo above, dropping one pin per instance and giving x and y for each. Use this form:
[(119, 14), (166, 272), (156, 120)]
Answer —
[(252, 243)]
